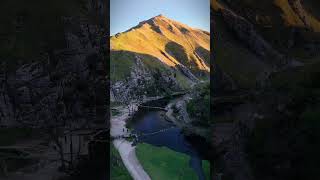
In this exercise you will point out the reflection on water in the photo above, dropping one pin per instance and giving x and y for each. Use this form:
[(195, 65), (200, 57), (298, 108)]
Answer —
[(154, 130)]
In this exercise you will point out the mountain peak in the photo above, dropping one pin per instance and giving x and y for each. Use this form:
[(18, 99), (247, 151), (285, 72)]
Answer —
[(154, 21), (160, 16)]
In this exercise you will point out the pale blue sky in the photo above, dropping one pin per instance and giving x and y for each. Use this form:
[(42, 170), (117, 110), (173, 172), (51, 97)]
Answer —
[(125, 14)]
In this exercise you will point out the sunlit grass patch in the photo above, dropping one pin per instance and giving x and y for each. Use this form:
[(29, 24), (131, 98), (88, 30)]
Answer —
[(162, 163)]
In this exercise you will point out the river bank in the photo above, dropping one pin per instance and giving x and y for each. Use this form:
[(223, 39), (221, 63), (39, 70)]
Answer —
[(125, 147)]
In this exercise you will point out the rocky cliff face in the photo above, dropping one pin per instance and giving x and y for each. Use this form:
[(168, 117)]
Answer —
[(66, 84), (143, 81)]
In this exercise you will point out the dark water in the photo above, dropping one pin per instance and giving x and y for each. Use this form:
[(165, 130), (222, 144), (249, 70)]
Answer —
[(171, 137)]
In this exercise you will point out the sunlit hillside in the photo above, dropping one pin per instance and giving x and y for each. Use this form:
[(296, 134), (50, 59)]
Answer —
[(168, 40), (293, 13), (158, 56)]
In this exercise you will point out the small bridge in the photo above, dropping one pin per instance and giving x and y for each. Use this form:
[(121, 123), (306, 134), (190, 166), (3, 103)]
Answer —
[(136, 135), (157, 132), (153, 107)]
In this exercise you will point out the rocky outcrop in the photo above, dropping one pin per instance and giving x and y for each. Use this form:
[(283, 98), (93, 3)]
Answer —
[(183, 115), (143, 82), (68, 85)]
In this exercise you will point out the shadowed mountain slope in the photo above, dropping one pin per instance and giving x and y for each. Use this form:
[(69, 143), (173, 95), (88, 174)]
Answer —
[(265, 89)]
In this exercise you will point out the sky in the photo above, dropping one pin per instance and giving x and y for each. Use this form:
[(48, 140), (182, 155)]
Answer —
[(125, 14)]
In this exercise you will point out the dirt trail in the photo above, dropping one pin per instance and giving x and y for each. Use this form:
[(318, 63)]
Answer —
[(124, 147)]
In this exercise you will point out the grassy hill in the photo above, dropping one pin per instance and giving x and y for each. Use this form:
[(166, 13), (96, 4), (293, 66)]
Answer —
[(169, 41), (159, 55)]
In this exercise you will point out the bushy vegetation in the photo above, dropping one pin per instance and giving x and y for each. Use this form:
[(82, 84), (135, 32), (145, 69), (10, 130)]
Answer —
[(199, 107), (286, 145), (287, 148), (115, 112)]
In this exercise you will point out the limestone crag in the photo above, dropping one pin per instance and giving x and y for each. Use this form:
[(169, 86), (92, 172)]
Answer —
[(142, 82)]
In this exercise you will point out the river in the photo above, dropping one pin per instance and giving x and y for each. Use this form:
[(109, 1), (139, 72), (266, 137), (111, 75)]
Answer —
[(154, 129)]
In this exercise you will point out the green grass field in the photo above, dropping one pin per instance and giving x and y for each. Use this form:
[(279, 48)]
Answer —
[(162, 163), (117, 169)]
